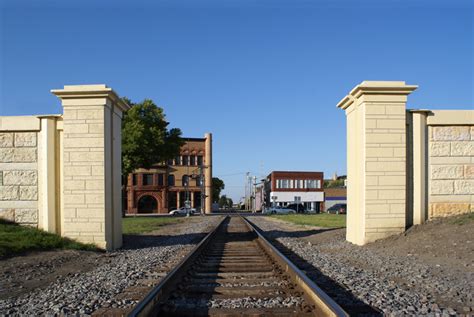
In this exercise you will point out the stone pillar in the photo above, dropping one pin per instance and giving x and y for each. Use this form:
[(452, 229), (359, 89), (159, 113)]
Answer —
[(92, 164), (208, 173), (376, 159), (48, 174), (417, 164)]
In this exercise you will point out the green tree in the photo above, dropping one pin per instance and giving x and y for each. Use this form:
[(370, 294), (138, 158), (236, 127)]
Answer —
[(146, 139), (225, 202), (329, 183), (217, 186)]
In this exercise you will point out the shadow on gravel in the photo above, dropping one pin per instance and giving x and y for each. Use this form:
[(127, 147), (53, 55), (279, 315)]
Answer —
[(350, 303), (136, 241), (295, 234)]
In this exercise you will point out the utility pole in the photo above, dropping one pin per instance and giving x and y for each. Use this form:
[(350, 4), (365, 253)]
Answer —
[(254, 210), (246, 202), (201, 184)]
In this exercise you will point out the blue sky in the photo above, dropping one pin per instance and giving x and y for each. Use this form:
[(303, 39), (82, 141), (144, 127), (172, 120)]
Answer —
[(263, 76)]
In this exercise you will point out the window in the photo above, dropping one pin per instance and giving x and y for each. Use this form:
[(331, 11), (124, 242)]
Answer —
[(192, 160), (177, 160), (170, 162), (199, 160), (134, 179), (171, 180), (198, 181), (147, 179), (313, 183), (160, 179), (298, 183), (185, 159), (185, 180), (283, 183)]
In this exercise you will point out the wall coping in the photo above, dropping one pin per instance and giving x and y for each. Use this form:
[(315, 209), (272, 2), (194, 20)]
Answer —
[(376, 88), (19, 123), (450, 117), (90, 91)]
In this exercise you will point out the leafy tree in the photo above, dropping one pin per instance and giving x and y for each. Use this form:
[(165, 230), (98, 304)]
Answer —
[(225, 202), (329, 183), (146, 139), (217, 186)]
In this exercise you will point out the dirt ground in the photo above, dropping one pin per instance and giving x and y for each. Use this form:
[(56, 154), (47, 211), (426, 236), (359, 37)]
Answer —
[(35, 270), (440, 242), (445, 245)]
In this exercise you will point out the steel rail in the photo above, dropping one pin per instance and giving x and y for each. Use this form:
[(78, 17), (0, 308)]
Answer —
[(147, 305), (325, 305)]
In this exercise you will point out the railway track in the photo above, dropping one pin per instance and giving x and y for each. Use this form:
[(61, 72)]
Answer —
[(235, 271)]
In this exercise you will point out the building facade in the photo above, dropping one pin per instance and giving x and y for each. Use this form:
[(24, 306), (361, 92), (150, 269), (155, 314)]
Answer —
[(183, 181), (284, 188), (333, 196)]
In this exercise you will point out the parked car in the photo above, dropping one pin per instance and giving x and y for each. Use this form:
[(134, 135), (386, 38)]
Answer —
[(337, 209), (182, 211), (279, 210), (299, 208)]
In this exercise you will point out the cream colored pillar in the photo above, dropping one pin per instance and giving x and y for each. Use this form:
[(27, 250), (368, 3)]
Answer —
[(376, 159), (48, 174), (208, 173), (418, 165), (92, 164)]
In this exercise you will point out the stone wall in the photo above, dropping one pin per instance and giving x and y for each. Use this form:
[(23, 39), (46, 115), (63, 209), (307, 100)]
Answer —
[(403, 166), (451, 170), (62, 173), (19, 177)]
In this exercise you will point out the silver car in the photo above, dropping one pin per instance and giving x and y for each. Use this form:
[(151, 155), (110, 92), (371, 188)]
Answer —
[(182, 211), (279, 210)]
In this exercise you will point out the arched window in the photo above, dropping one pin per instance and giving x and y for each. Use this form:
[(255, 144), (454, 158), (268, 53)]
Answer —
[(147, 204), (171, 180), (185, 180)]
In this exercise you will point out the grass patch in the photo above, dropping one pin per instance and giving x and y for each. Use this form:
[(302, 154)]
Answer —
[(138, 225), (462, 219), (16, 239), (319, 220)]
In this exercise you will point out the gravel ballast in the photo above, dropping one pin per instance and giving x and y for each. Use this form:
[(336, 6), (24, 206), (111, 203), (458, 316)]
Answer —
[(393, 284), (103, 287)]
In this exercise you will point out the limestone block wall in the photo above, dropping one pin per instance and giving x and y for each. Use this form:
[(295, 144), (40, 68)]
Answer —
[(451, 164), (62, 173), (403, 166), (19, 171)]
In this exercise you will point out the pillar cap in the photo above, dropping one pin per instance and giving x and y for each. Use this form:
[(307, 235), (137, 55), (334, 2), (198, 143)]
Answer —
[(376, 88), (90, 91)]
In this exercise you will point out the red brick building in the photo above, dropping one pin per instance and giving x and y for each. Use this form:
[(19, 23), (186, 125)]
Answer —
[(167, 186), (287, 187)]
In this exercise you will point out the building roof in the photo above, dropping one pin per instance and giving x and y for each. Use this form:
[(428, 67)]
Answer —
[(302, 173), (296, 172), (194, 139)]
